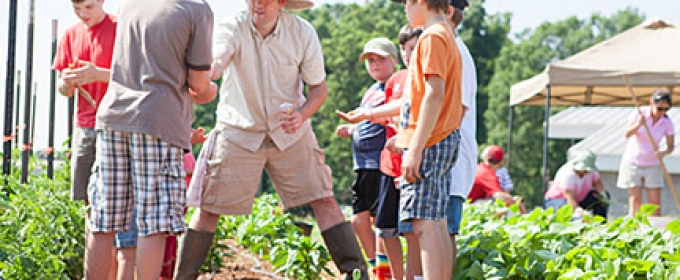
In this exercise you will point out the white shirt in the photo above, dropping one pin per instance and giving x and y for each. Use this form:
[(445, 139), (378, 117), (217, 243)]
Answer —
[(264, 73), (463, 172)]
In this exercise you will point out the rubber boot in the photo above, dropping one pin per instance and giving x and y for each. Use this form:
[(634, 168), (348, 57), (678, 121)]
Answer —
[(344, 249), (193, 249)]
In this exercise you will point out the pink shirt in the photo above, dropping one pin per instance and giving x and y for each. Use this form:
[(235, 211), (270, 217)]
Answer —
[(567, 179), (639, 149), (189, 165)]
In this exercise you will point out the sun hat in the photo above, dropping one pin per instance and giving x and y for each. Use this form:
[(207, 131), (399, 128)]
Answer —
[(584, 160), (298, 5), (379, 46), (493, 153)]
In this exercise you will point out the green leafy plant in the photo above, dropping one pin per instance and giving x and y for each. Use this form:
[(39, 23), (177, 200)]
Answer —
[(272, 234), (548, 245), (41, 230)]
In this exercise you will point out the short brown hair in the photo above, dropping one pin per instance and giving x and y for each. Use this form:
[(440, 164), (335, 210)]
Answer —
[(457, 17), (407, 33), (439, 6)]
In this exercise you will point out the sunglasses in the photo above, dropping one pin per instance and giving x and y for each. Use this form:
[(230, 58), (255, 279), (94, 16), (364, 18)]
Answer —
[(664, 109)]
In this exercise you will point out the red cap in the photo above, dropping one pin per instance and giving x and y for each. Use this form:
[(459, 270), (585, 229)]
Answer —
[(494, 153)]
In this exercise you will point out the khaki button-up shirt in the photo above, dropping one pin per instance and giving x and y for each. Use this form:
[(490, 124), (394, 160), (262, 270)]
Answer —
[(262, 74)]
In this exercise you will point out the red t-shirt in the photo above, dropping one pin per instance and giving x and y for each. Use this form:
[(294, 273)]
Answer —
[(95, 45), (390, 163), (486, 183)]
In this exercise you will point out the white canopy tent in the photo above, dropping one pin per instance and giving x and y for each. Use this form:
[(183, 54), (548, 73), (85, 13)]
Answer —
[(647, 54)]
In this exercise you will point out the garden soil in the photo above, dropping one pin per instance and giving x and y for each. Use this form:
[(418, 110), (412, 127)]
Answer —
[(244, 265)]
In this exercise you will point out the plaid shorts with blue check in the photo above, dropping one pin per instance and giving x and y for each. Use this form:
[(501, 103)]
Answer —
[(137, 171), (427, 197)]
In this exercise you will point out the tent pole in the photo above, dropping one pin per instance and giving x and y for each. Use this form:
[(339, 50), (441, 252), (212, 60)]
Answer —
[(545, 143), (509, 144)]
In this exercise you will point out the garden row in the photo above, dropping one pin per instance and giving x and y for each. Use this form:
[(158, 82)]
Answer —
[(41, 237)]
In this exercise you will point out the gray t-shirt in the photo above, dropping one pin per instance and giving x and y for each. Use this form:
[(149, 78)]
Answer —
[(158, 41)]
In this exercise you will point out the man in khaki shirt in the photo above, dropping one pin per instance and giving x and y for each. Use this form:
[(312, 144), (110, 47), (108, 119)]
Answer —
[(264, 55)]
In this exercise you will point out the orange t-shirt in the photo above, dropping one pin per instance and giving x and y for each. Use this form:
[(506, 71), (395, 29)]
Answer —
[(435, 54)]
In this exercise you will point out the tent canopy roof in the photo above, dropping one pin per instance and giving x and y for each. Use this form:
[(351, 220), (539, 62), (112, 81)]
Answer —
[(647, 54)]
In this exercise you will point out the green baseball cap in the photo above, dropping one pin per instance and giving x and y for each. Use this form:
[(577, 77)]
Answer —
[(381, 47)]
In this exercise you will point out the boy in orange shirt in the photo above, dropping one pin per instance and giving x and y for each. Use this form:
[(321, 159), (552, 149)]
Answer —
[(428, 132)]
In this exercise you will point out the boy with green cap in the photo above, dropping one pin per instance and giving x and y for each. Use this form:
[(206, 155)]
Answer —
[(368, 140)]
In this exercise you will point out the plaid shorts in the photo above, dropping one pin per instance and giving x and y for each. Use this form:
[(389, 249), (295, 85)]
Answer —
[(139, 171), (427, 198)]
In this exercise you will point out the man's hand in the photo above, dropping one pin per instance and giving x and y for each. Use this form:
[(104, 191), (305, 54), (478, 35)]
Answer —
[(344, 131), (291, 122), (410, 166)]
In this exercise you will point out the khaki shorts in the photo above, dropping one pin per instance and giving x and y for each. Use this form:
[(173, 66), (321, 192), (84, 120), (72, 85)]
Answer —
[(299, 174), (633, 175), (82, 159)]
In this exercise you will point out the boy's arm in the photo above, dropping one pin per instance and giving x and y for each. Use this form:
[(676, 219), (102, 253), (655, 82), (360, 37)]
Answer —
[(429, 112), (360, 114), (201, 89)]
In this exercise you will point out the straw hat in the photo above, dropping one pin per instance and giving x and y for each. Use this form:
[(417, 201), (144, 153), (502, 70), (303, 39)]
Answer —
[(298, 5)]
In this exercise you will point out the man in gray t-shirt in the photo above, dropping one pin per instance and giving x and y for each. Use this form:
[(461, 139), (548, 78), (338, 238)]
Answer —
[(161, 65)]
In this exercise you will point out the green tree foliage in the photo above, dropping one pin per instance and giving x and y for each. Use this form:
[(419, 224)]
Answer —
[(523, 59), (343, 30), (484, 36)]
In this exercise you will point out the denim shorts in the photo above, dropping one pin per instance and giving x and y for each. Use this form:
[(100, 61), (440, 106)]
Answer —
[(555, 203), (454, 215), (387, 218), (128, 239)]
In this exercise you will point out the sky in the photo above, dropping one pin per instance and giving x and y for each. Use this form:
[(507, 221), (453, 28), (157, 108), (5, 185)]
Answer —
[(525, 14)]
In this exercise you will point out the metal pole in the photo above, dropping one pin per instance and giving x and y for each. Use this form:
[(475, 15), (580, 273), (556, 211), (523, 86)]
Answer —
[(53, 81), (545, 143), (32, 139), (16, 112), (9, 94), (71, 111), (27, 97), (509, 144)]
